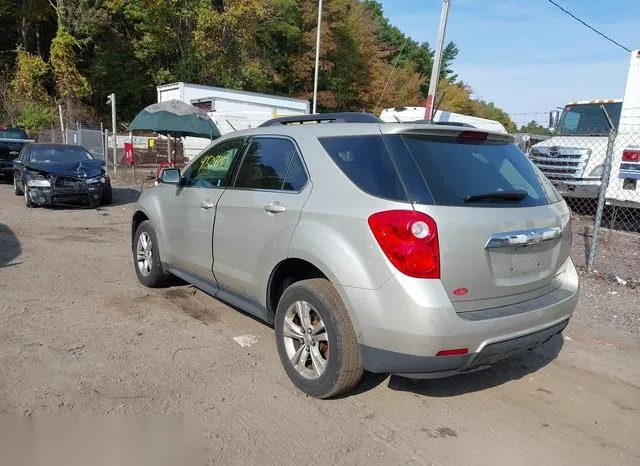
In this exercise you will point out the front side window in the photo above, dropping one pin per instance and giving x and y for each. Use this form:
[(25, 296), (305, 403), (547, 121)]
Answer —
[(213, 167), (271, 163)]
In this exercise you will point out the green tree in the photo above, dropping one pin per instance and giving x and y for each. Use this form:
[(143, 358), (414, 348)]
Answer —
[(36, 116), (533, 127), (95, 47), (491, 111), (161, 33), (29, 78), (69, 82), (34, 107)]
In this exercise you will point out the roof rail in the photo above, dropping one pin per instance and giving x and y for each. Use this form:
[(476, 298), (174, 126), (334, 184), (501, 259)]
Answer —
[(339, 117)]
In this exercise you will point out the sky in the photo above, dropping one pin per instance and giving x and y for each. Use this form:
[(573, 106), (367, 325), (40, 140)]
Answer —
[(528, 56)]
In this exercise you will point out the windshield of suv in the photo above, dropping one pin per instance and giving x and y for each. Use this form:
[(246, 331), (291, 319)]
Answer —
[(13, 133), (588, 119), (58, 154)]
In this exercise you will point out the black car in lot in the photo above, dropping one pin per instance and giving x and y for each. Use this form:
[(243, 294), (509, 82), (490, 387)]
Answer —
[(48, 174), (12, 140)]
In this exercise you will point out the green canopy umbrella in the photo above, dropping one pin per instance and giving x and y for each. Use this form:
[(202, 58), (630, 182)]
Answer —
[(177, 119)]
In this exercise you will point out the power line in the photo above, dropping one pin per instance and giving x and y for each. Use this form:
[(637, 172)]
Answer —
[(392, 71), (529, 113), (590, 27)]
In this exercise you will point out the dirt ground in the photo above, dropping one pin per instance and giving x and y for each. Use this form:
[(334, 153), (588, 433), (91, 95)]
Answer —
[(79, 335)]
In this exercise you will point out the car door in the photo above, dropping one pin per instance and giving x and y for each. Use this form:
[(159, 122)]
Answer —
[(190, 208), (256, 217)]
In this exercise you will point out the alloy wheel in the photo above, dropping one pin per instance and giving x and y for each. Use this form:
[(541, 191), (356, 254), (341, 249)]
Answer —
[(144, 253), (306, 340)]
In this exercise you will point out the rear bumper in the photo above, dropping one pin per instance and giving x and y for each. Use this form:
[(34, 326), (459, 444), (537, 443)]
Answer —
[(405, 323), (6, 167), (431, 367), (583, 189)]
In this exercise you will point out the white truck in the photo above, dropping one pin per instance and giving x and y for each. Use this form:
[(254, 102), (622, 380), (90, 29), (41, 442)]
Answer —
[(416, 114), (574, 158), (230, 110)]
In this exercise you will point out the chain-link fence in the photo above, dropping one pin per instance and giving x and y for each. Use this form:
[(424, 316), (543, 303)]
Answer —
[(597, 170), (91, 138)]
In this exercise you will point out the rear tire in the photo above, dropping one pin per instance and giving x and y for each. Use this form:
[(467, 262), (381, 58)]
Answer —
[(146, 257), (341, 362)]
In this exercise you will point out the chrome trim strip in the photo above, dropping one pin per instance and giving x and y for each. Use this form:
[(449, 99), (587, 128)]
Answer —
[(522, 237)]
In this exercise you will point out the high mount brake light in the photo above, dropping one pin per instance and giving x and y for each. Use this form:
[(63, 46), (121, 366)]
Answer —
[(453, 352), (409, 239), (474, 135)]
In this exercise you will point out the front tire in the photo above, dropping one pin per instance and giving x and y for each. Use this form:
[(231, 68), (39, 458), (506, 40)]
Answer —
[(107, 194), (16, 190), (146, 257), (27, 199), (316, 342)]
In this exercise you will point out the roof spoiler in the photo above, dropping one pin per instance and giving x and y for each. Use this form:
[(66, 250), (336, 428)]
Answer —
[(339, 117), (445, 123)]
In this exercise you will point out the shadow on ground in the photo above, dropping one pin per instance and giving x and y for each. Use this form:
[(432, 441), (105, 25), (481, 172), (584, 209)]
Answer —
[(122, 196), (10, 248), (510, 369)]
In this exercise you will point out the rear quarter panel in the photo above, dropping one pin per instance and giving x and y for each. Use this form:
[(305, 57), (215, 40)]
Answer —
[(333, 233)]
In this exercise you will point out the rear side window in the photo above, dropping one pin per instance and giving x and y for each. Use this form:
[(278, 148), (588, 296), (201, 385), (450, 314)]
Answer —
[(296, 176), (455, 170), (366, 162)]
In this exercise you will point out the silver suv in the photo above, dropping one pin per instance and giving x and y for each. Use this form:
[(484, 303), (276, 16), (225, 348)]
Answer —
[(419, 250)]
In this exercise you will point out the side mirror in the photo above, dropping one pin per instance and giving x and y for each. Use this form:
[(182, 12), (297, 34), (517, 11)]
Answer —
[(17, 162), (170, 176), (554, 118)]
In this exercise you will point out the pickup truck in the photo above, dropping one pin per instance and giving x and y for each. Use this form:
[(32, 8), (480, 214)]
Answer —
[(12, 140)]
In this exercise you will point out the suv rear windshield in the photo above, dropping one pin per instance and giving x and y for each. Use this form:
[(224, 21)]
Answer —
[(13, 133), (440, 170)]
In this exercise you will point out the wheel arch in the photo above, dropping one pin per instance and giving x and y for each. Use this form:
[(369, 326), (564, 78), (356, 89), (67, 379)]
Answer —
[(294, 269)]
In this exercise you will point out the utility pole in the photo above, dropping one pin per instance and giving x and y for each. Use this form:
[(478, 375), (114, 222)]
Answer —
[(112, 100), (437, 61), (64, 134), (315, 80)]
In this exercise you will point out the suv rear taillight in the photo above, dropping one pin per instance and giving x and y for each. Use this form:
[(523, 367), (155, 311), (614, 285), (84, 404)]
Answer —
[(629, 155), (409, 239)]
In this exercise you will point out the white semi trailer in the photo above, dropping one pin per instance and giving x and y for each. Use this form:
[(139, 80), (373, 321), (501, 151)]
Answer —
[(230, 109)]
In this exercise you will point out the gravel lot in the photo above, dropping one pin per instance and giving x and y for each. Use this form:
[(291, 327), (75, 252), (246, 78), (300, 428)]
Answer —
[(79, 335)]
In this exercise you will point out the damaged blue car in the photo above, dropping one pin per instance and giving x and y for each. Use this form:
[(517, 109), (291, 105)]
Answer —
[(49, 174)]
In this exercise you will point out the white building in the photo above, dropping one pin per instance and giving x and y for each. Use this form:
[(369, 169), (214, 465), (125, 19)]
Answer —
[(230, 110)]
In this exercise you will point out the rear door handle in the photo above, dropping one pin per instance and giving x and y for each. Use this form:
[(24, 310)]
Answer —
[(207, 204), (274, 208)]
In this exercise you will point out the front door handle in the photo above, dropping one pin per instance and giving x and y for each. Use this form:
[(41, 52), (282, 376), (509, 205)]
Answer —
[(274, 208), (207, 204)]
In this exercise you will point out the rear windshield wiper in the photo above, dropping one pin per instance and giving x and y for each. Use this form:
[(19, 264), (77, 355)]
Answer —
[(513, 196)]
